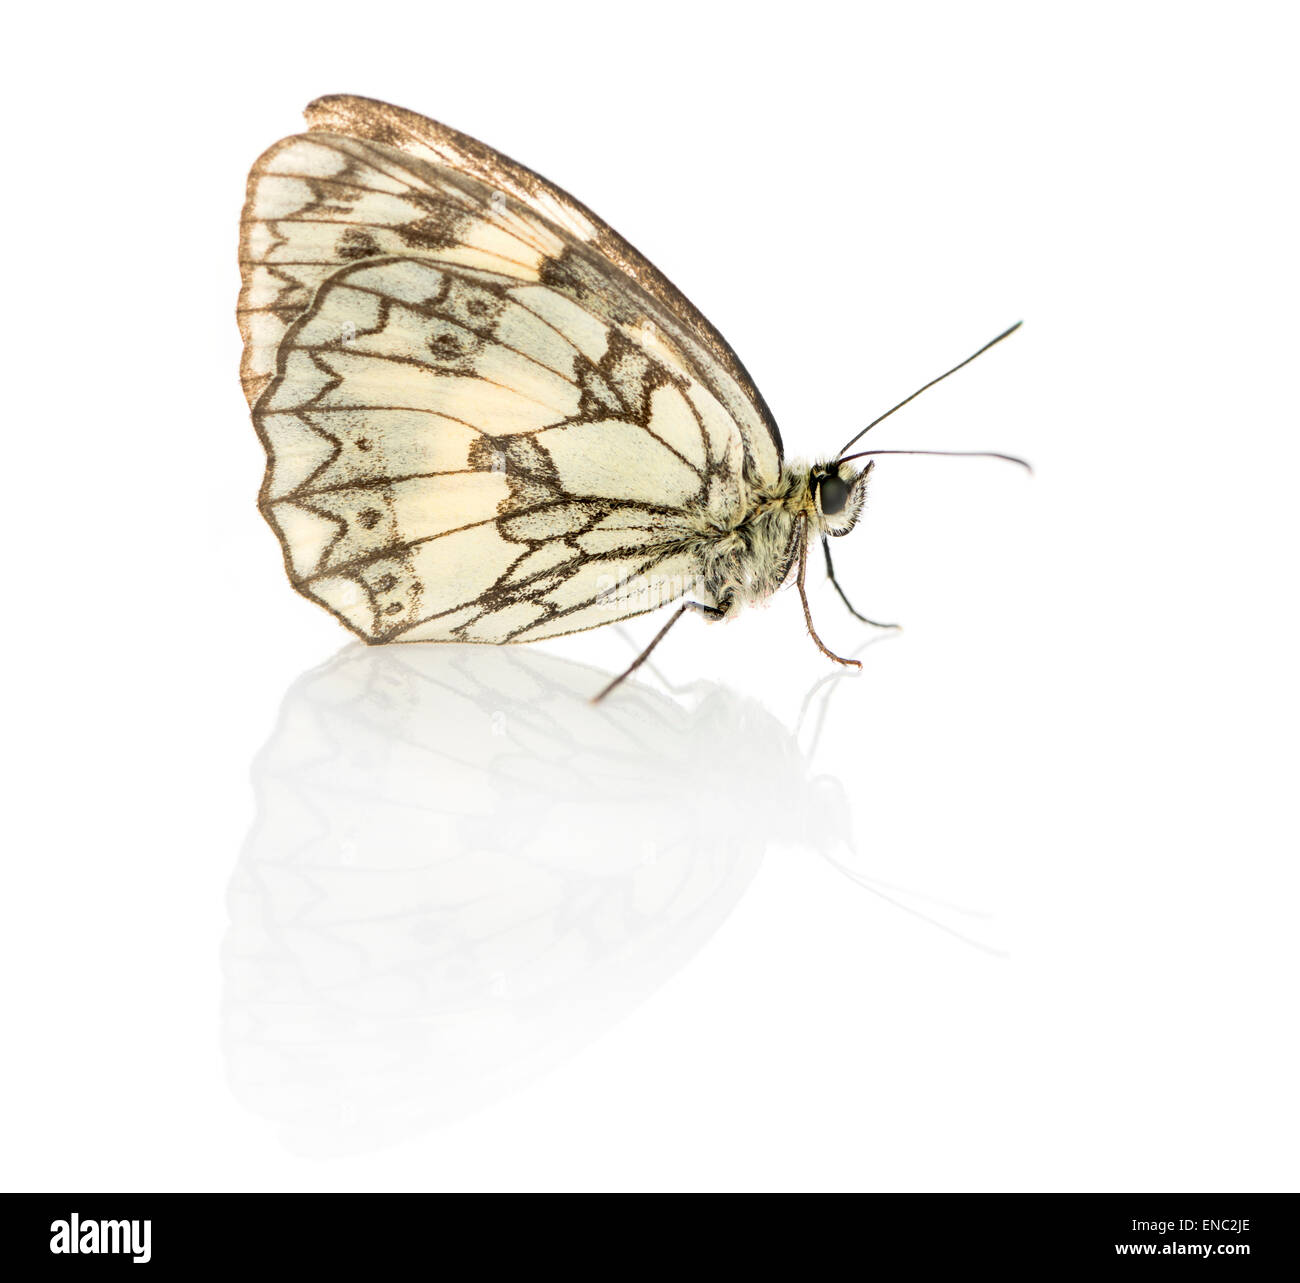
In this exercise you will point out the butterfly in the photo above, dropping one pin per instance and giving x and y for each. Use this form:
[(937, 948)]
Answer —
[(487, 418)]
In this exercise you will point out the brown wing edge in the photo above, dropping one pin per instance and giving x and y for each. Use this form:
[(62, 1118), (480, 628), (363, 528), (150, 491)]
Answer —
[(408, 131), (254, 384)]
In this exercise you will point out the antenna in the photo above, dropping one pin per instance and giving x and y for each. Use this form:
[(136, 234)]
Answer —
[(940, 379), (952, 454)]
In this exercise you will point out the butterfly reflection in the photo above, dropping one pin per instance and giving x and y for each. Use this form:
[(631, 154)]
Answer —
[(461, 871)]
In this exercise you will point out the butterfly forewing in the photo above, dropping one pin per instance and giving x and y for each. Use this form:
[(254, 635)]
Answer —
[(320, 202), (597, 256)]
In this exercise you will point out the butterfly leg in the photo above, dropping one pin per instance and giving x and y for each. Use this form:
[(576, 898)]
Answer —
[(830, 574), (711, 611), (807, 613), (673, 688)]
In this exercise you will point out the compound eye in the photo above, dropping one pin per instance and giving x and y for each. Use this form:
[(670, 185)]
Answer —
[(832, 495)]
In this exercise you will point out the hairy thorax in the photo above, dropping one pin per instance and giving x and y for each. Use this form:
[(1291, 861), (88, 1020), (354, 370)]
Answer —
[(745, 555)]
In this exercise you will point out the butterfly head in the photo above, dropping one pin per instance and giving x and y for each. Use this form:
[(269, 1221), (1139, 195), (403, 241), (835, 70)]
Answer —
[(836, 492)]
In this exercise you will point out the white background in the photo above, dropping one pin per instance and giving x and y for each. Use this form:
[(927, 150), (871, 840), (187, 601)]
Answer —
[(1063, 956)]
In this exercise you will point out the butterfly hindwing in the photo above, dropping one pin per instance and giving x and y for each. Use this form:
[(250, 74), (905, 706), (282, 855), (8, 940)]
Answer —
[(455, 455)]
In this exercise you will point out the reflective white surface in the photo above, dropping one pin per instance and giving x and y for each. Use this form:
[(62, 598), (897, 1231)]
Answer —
[(461, 871), (1012, 909)]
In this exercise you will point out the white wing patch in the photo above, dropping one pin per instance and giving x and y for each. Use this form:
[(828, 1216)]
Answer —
[(447, 461), (615, 459)]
